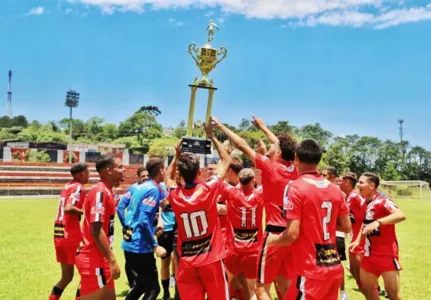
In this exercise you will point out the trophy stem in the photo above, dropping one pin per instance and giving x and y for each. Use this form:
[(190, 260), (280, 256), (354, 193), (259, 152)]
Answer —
[(210, 104), (191, 111)]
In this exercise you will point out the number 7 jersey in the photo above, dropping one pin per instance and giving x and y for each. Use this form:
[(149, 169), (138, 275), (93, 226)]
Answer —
[(317, 203), (199, 240)]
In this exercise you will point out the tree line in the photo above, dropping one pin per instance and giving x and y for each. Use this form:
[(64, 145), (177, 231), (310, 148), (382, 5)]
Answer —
[(141, 131)]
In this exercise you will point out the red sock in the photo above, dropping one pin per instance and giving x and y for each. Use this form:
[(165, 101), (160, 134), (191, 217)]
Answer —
[(54, 297), (239, 294)]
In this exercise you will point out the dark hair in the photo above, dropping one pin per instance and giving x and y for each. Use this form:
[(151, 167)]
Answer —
[(188, 166), (351, 177), (78, 168), (213, 162), (104, 162), (140, 170), (332, 171), (154, 165), (309, 151), (236, 165), (287, 146), (373, 178)]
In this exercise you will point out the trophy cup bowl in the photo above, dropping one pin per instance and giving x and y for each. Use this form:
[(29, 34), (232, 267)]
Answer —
[(206, 59)]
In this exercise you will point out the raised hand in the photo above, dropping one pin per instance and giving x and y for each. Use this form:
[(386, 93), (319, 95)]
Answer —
[(257, 122), (215, 122), (209, 129)]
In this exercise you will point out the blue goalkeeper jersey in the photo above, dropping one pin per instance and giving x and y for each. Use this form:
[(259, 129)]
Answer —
[(138, 233), (124, 203)]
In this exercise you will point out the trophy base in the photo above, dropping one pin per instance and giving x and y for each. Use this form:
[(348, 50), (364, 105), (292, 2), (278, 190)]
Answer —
[(196, 145)]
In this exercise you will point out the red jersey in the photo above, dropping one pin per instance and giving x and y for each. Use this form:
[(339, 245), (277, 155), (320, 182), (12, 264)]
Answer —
[(67, 231), (99, 206), (317, 203), (275, 177), (199, 240), (382, 242), (245, 213), (357, 207)]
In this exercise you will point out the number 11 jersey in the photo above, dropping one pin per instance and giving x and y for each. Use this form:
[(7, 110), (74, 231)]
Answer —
[(199, 240)]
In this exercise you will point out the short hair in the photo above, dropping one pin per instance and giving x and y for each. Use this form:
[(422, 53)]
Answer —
[(213, 162), (332, 171), (154, 165), (105, 161), (309, 151), (372, 177), (246, 175), (140, 170), (287, 146), (351, 177), (78, 168), (236, 165), (188, 166)]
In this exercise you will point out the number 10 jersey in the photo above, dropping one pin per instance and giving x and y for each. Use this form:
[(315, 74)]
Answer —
[(199, 241)]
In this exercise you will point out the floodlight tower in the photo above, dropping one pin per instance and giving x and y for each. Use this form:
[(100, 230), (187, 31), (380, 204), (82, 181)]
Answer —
[(72, 101), (403, 150), (9, 97)]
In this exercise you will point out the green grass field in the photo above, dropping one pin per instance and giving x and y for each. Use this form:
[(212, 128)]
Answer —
[(28, 269)]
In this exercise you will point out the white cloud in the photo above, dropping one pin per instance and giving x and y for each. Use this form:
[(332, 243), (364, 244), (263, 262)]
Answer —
[(68, 11), (209, 14), (354, 13), (175, 22), (36, 11)]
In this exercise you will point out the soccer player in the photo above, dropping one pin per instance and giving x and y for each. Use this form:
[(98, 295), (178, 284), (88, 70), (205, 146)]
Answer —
[(121, 212), (330, 173), (381, 246), (67, 231), (314, 209), (200, 246), (357, 207), (95, 259), (166, 240), (211, 167), (244, 232), (277, 172), (139, 243)]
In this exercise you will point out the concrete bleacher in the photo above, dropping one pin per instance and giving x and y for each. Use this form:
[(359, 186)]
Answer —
[(21, 179)]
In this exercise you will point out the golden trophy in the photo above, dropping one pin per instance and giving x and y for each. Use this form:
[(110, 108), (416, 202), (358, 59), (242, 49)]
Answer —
[(206, 59)]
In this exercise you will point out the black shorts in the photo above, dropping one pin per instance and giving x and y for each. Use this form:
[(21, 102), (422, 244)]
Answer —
[(142, 265), (341, 247), (166, 240)]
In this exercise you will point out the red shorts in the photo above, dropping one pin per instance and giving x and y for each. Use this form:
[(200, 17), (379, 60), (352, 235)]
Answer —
[(66, 254), (272, 262), (237, 263), (313, 289), (211, 279), (379, 265), (360, 249), (92, 278)]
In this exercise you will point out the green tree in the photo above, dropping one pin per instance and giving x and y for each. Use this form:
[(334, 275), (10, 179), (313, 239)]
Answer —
[(282, 127), (5, 122), (315, 131), (39, 156), (162, 147), (152, 110), (110, 132), (180, 131), (142, 125), (19, 121), (244, 125)]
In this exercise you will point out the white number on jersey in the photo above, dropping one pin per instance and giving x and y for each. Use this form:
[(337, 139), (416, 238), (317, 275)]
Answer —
[(191, 224), (244, 216), (60, 210), (326, 219)]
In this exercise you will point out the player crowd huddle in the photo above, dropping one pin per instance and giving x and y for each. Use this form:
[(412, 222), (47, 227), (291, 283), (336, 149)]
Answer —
[(227, 237)]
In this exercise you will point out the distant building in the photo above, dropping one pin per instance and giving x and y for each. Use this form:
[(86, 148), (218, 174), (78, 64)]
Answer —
[(111, 148), (83, 147), (168, 131)]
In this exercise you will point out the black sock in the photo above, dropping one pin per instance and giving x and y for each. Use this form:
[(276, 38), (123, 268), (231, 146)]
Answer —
[(78, 292), (56, 291), (165, 284)]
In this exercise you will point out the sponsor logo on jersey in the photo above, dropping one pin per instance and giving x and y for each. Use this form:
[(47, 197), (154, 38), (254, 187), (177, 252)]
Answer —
[(150, 202), (98, 209)]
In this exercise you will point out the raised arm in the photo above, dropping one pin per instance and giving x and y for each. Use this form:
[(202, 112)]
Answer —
[(172, 169), (236, 140), (224, 164), (261, 126)]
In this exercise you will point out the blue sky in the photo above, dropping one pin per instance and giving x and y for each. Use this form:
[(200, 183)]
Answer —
[(355, 66)]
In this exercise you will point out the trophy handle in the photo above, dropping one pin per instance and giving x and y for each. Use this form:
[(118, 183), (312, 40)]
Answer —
[(222, 51), (192, 47)]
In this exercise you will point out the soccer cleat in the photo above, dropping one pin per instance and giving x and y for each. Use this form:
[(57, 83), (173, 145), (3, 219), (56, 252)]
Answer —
[(172, 281), (343, 295)]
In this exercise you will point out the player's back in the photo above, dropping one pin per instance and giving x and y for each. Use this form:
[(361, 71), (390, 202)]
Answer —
[(245, 212), (67, 229), (275, 176), (315, 252), (199, 240)]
